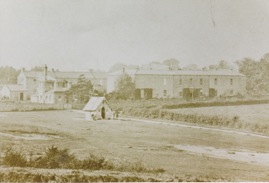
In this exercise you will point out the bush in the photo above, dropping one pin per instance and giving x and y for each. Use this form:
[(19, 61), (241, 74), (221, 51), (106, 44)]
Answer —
[(61, 158), (15, 159), (54, 158)]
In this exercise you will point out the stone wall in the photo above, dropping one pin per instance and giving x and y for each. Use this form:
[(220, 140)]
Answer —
[(27, 106)]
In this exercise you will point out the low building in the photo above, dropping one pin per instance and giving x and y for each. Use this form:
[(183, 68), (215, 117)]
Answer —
[(98, 108), (188, 84), (13, 92)]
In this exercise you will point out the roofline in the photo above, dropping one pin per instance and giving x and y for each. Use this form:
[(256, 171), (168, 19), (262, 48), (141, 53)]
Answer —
[(167, 74)]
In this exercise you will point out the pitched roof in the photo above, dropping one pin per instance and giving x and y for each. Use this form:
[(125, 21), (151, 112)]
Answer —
[(15, 87), (65, 74), (75, 75), (127, 71), (32, 74), (57, 90), (94, 103), (190, 72)]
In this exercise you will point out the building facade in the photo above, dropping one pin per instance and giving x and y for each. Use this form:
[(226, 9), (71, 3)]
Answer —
[(13, 92), (50, 86), (188, 84)]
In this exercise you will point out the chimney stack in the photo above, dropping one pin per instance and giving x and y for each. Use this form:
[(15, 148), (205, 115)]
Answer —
[(45, 72)]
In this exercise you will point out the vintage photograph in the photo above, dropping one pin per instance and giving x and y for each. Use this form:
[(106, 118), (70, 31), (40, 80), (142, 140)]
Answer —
[(134, 91)]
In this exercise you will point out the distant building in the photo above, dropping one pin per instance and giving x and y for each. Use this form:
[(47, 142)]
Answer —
[(28, 79), (50, 86), (188, 84), (13, 92)]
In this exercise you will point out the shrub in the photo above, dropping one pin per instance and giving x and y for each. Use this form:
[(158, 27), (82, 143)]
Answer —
[(61, 158), (13, 158), (54, 158)]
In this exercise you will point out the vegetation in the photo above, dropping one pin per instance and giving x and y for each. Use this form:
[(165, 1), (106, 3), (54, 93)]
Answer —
[(61, 158), (8, 75), (81, 91), (124, 87), (161, 110), (257, 73)]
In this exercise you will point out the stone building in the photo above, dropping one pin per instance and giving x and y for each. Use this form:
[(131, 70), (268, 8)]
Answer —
[(50, 86), (188, 84)]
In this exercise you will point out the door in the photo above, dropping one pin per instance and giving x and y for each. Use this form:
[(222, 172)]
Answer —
[(21, 96), (103, 112)]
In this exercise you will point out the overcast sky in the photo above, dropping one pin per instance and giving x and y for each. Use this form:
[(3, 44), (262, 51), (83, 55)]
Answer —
[(95, 34)]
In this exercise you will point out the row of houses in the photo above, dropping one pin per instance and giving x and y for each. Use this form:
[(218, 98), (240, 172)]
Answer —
[(50, 86)]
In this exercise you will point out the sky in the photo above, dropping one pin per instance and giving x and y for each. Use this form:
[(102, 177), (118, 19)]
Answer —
[(80, 35)]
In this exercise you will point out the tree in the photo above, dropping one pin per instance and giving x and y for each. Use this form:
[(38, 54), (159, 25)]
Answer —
[(8, 75), (257, 74), (191, 67), (117, 67), (37, 68), (172, 63), (224, 65), (81, 91), (221, 65), (125, 86)]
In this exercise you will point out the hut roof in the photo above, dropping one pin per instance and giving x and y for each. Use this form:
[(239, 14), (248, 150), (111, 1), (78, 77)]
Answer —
[(94, 103)]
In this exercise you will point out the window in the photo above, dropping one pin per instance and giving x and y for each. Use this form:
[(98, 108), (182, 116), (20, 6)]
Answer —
[(164, 81), (231, 81), (180, 94), (34, 80), (216, 81), (191, 81), (231, 92), (164, 93), (201, 81), (180, 81)]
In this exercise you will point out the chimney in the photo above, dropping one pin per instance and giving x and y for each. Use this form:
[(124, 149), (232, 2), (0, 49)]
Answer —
[(22, 69), (45, 72)]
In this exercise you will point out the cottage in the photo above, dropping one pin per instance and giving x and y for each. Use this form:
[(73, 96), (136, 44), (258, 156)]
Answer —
[(98, 108), (13, 92)]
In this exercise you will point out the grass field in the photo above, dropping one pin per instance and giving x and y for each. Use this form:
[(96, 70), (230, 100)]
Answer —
[(257, 114), (187, 154)]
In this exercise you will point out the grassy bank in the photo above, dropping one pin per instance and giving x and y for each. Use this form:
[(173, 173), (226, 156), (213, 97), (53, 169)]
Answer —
[(180, 112)]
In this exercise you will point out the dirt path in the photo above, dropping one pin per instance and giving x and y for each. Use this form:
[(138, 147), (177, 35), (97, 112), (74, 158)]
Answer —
[(197, 127), (234, 154)]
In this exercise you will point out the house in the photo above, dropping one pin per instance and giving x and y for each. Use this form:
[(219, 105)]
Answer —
[(50, 86), (28, 79), (13, 92), (99, 108), (188, 84)]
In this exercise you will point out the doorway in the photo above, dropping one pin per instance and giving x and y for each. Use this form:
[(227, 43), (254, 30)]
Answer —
[(103, 112), (21, 96)]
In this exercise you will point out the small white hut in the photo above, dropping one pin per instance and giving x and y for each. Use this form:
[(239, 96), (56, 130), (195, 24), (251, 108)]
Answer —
[(98, 108)]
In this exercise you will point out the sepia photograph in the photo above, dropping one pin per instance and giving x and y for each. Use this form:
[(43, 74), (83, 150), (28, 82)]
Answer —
[(134, 91)]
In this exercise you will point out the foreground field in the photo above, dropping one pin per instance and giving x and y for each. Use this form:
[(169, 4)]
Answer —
[(183, 152)]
